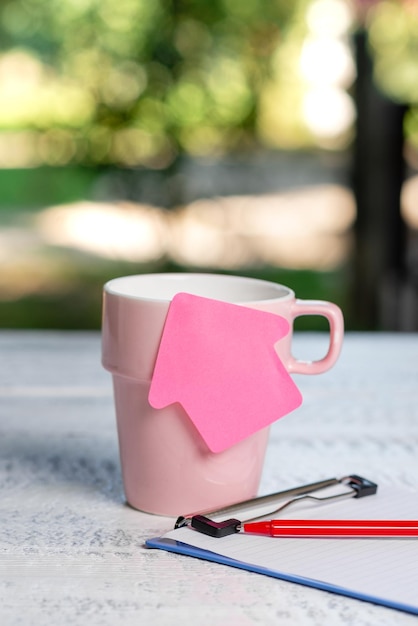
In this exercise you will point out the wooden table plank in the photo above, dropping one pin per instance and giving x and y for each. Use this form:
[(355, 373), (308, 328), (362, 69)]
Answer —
[(72, 552)]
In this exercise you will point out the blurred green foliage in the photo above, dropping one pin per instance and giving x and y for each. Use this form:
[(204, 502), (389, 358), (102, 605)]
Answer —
[(33, 189), (136, 82), (393, 36)]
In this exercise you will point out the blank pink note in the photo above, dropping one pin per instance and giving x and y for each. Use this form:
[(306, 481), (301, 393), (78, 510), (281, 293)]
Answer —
[(218, 361)]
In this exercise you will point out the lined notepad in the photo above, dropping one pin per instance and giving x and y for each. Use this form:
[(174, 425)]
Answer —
[(383, 571)]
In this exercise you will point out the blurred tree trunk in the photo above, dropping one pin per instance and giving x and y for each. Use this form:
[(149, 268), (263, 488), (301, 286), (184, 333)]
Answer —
[(378, 175)]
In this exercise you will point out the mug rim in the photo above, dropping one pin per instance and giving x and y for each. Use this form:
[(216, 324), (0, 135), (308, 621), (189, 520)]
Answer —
[(277, 290)]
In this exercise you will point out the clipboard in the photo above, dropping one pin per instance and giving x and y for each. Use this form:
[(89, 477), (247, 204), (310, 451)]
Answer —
[(380, 571)]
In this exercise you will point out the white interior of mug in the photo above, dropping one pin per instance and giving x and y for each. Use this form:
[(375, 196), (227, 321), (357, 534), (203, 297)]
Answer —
[(217, 286)]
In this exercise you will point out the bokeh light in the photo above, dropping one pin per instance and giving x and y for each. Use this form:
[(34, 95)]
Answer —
[(308, 228)]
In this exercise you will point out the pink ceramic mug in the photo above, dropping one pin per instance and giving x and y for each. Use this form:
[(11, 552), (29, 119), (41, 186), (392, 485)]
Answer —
[(167, 468)]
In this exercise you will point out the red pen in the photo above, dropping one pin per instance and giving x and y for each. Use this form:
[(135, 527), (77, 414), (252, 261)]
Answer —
[(333, 528)]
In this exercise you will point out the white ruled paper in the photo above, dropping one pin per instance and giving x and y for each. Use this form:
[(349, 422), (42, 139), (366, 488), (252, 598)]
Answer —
[(380, 570)]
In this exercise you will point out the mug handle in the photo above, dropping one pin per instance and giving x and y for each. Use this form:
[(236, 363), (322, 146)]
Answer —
[(336, 328)]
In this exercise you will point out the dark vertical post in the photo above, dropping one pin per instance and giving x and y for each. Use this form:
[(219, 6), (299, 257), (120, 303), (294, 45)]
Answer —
[(378, 175)]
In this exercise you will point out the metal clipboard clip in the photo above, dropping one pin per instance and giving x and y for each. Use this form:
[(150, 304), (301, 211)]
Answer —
[(355, 487)]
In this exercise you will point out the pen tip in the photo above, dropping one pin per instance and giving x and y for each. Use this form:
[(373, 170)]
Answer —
[(180, 522)]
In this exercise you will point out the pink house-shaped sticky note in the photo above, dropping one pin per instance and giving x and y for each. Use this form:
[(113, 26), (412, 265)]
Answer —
[(218, 361)]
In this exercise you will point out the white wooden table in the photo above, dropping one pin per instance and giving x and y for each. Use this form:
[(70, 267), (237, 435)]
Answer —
[(72, 552)]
